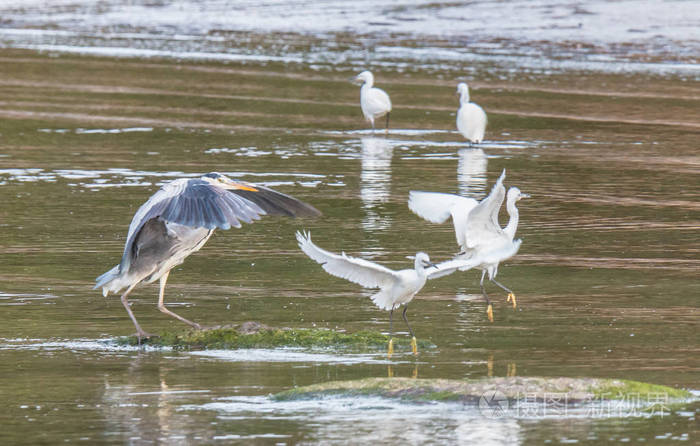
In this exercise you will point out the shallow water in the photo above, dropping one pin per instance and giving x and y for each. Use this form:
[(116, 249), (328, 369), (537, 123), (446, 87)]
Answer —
[(606, 277)]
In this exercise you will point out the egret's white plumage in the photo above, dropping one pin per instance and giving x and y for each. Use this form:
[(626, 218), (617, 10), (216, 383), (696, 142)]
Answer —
[(437, 207), (374, 101), (395, 287), (471, 119), (477, 229)]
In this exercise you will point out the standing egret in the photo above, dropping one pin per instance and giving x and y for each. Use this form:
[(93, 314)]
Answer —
[(396, 287), (478, 232), (471, 119), (178, 220), (374, 101)]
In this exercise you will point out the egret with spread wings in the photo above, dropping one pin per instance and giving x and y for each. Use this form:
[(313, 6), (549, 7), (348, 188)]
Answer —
[(478, 232), (178, 220), (395, 287)]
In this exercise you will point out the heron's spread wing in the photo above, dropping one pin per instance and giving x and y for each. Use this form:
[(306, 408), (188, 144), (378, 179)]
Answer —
[(483, 219), (362, 272), (200, 204), (195, 203), (276, 203), (446, 268)]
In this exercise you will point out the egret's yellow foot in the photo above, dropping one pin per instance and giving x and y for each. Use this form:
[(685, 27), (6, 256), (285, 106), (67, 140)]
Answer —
[(390, 371), (391, 348), (511, 298), (489, 312), (414, 345), (414, 375)]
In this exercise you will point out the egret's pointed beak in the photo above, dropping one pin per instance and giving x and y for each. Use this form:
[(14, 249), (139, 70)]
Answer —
[(433, 265), (522, 195)]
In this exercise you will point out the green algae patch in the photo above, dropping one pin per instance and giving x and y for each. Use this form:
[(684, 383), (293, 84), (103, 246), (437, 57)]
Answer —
[(559, 390), (253, 335), (625, 389)]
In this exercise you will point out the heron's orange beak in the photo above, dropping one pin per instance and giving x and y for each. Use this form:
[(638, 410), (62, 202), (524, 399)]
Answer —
[(241, 186), (230, 184)]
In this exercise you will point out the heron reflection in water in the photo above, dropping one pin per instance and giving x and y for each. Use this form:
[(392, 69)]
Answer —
[(178, 220)]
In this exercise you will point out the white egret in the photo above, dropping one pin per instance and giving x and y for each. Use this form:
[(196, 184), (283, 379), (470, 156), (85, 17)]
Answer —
[(471, 119), (478, 232), (374, 101), (178, 220), (396, 287)]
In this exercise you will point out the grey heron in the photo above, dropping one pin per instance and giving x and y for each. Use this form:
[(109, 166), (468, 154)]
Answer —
[(396, 288), (178, 220), (478, 232), (374, 102), (471, 119)]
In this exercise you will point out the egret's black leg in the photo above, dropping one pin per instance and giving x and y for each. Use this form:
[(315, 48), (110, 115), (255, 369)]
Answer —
[(511, 295), (161, 304), (390, 350), (414, 344), (387, 124), (489, 307)]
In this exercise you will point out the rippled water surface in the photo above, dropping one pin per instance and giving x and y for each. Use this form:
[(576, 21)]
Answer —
[(606, 278)]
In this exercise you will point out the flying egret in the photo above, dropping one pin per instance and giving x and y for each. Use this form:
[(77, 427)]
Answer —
[(471, 119), (395, 287), (178, 220), (374, 101), (478, 232)]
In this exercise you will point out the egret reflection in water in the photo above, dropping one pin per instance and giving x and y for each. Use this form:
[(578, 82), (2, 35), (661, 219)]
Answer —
[(471, 171), (375, 181)]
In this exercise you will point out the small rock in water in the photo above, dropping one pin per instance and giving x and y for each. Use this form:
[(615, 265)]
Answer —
[(251, 327)]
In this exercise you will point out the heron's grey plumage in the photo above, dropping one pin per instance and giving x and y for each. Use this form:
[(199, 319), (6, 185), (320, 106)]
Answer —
[(180, 217)]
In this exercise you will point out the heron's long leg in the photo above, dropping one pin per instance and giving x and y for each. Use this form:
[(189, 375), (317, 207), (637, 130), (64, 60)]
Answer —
[(511, 295), (489, 307), (414, 344), (390, 350), (139, 332), (161, 304)]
